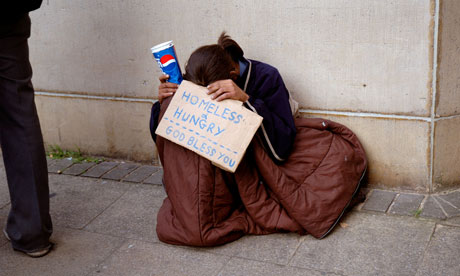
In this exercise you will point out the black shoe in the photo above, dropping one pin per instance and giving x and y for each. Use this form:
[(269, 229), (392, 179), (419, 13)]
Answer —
[(35, 253)]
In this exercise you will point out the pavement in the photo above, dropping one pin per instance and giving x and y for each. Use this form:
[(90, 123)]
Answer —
[(104, 219)]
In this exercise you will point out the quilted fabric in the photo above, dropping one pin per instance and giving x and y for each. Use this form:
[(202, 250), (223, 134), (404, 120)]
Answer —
[(308, 193)]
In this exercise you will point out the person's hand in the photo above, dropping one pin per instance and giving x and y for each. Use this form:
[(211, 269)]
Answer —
[(166, 89), (226, 89)]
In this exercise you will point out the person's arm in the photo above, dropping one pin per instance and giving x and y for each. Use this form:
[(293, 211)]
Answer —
[(165, 89), (154, 120), (272, 103)]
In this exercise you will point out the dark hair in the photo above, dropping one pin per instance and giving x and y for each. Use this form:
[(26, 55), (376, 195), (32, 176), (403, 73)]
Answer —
[(211, 63), (208, 64), (230, 46)]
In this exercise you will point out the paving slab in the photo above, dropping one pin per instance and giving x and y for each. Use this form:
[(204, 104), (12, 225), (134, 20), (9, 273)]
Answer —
[(442, 255), (452, 197), (120, 171), (155, 179), (3, 216), (370, 244), (4, 192), (453, 200), (432, 209), (50, 160), (141, 173), (244, 267), (59, 165), (100, 169), (78, 200), (450, 209), (133, 215), (113, 233), (143, 258), (454, 221), (379, 201), (274, 248), (406, 204), (79, 168), (76, 253)]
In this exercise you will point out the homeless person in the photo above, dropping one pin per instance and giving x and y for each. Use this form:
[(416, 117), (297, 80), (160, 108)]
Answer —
[(297, 175)]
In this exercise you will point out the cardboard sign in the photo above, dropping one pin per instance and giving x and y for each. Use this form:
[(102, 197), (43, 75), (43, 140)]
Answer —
[(218, 131)]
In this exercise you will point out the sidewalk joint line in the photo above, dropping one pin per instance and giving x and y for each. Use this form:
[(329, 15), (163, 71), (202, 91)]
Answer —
[(392, 203), (131, 172), (426, 248), (97, 267), (440, 206), (116, 236), (299, 243), (224, 265), (318, 270), (112, 169), (424, 200), (448, 202), (110, 205)]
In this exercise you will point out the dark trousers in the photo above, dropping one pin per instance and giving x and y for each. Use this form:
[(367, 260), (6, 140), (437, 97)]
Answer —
[(29, 223)]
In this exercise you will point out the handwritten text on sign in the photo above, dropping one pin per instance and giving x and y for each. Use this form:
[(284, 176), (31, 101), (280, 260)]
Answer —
[(218, 131)]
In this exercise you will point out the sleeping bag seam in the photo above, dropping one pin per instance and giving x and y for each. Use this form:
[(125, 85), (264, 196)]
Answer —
[(319, 164)]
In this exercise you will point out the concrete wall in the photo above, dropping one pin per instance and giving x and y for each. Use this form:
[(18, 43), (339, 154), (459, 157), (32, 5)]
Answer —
[(369, 64), (446, 146)]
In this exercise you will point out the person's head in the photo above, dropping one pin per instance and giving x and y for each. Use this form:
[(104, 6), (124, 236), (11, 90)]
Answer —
[(214, 62)]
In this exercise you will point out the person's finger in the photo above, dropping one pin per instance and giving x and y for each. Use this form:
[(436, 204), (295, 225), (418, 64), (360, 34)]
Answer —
[(168, 90), (217, 93), (217, 85), (169, 85), (166, 94), (212, 88), (224, 96), (163, 78)]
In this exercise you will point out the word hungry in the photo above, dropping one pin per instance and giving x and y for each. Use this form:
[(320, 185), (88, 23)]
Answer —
[(198, 121)]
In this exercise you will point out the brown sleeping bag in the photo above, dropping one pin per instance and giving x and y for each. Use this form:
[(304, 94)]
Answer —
[(308, 193)]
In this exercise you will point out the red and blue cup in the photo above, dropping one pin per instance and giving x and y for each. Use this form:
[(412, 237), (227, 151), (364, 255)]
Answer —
[(165, 55)]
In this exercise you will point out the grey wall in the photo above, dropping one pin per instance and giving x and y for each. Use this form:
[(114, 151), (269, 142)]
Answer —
[(366, 63)]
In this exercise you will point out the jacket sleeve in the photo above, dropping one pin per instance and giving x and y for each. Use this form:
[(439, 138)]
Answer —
[(272, 103), (154, 118)]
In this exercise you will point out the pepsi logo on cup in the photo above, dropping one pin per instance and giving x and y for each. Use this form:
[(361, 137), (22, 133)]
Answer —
[(165, 55), (167, 60)]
